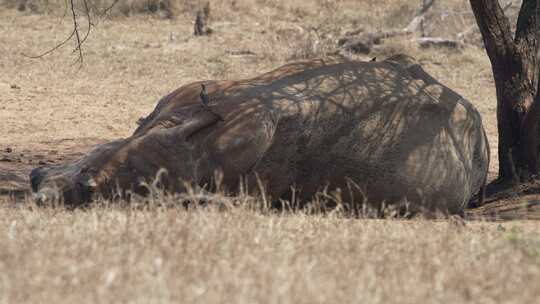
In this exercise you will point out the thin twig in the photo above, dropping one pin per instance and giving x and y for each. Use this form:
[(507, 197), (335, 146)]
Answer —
[(88, 18), (75, 33), (106, 11), (76, 30), (52, 49)]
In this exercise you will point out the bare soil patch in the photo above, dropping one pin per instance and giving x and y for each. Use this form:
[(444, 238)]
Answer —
[(18, 160)]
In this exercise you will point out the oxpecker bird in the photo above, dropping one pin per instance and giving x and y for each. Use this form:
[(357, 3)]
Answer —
[(204, 97)]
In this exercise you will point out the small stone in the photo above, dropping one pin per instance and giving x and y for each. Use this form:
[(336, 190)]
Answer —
[(41, 163), (14, 86), (9, 150), (5, 159)]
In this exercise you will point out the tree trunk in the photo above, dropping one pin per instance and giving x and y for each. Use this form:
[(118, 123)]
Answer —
[(513, 100), (513, 63)]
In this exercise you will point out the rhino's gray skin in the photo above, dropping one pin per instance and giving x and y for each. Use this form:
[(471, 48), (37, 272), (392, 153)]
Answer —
[(387, 126)]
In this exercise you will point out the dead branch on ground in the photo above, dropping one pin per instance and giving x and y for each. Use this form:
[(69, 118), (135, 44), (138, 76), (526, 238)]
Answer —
[(427, 42), (365, 42), (361, 42)]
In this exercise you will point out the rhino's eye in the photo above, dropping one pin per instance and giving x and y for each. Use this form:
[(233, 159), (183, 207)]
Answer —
[(88, 170)]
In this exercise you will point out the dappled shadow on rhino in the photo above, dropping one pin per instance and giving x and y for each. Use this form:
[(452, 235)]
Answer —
[(378, 131)]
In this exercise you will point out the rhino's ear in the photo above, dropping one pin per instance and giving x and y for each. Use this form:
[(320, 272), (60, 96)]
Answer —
[(242, 145), (36, 177), (189, 127)]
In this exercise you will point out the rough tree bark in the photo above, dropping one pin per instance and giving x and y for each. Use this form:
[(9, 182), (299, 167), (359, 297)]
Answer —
[(513, 61)]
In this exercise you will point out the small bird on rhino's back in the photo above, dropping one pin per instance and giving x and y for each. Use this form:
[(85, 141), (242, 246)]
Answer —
[(205, 100)]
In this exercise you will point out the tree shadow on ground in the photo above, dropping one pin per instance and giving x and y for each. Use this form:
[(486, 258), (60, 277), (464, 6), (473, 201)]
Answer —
[(507, 201)]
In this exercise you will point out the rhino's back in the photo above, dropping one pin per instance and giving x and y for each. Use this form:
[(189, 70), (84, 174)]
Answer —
[(389, 127)]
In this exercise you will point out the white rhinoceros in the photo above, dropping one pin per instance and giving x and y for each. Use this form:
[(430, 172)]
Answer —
[(386, 127)]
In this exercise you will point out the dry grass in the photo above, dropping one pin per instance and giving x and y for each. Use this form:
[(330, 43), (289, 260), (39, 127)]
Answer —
[(110, 254), (242, 256)]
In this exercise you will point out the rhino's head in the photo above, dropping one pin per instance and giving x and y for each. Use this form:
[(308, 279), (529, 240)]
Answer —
[(69, 184), (125, 164)]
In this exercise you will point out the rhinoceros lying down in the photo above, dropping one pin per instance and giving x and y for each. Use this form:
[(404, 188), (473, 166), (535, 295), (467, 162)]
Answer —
[(387, 126)]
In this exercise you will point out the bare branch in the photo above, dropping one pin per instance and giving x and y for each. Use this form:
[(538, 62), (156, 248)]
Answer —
[(52, 49), (88, 18), (75, 33), (106, 11), (76, 30)]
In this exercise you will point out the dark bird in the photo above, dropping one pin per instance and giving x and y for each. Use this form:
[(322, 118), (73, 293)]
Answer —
[(374, 59), (204, 97)]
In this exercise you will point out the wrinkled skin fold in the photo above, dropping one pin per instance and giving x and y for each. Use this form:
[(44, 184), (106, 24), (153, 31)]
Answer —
[(386, 127)]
